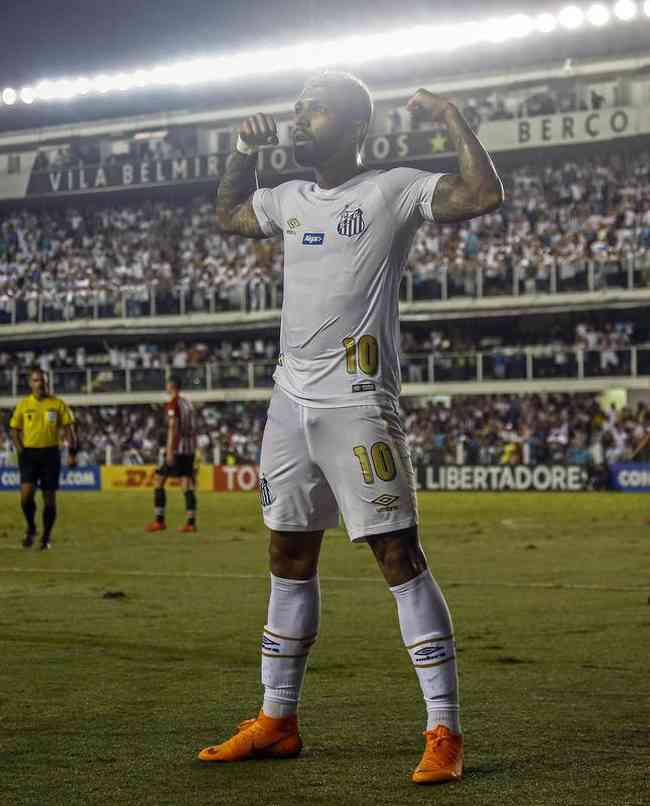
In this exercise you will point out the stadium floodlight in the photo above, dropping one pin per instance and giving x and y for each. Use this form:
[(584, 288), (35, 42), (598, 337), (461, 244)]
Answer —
[(9, 96), (27, 95), (546, 23), (571, 17), (598, 15), (347, 51), (626, 10)]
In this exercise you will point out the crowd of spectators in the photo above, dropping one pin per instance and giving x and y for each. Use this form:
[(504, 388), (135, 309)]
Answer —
[(605, 349), (550, 98), (530, 429), (557, 222)]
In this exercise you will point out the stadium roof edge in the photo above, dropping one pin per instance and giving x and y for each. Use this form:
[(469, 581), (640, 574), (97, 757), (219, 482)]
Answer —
[(123, 126)]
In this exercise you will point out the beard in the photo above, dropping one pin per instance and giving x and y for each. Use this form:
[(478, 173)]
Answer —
[(305, 153)]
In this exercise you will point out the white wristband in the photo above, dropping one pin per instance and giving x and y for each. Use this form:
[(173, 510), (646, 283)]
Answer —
[(244, 148)]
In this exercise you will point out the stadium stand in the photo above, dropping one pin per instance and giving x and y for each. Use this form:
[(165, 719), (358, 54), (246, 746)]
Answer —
[(484, 430), (573, 226)]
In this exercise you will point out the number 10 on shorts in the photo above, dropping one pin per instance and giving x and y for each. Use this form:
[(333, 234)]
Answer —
[(380, 459)]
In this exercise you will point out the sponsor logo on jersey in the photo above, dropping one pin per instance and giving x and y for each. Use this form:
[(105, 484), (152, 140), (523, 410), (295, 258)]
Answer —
[(367, 386), (292, 226), (266, 496), (313, 238), (351, 222), (386, 503)]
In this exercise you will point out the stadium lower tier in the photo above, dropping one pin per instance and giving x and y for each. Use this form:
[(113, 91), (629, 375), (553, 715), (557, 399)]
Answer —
[(574, 429)]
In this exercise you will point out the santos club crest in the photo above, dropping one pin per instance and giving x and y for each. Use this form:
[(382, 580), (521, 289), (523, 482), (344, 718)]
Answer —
[(351, 222)]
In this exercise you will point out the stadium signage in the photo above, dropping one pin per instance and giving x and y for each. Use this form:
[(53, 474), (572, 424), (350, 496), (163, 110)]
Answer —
[(557, 130), (140, 478), (134, 174), (630, 478), (495, 478), (379, 150), (94, 178), (72, 478), (235, 478)]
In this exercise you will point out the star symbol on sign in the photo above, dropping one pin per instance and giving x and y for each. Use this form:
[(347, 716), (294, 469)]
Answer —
[(438, 143)]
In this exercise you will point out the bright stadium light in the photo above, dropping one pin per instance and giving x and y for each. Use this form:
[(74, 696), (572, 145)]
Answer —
[(571, 17), (598, 15), (546, 23), (346, 51), (626, 10)]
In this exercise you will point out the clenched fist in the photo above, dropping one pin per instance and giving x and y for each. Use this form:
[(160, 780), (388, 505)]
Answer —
[(259, 130), (435, 104)]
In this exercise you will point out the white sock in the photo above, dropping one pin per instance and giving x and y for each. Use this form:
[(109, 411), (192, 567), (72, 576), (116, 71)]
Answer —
[(291, 629), (428, 634)]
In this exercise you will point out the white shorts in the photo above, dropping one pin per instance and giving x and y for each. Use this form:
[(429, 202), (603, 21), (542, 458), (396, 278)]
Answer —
[(318, 463)]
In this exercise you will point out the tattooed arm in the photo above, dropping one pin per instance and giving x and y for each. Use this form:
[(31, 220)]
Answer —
[(478, 189), (235, 214)]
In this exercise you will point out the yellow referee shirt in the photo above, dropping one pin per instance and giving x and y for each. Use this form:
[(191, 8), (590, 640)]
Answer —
[(41, 421)]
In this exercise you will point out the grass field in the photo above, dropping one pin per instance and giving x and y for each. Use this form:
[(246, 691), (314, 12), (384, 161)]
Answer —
[(106, 700)]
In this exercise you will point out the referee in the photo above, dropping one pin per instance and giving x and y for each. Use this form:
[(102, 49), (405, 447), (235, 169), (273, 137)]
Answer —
[(36, 427)]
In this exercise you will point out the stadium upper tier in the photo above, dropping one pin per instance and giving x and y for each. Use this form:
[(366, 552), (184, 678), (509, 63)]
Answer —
[(567, 226)]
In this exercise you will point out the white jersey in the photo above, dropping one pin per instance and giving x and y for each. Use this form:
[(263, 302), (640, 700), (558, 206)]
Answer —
[(344, 251)]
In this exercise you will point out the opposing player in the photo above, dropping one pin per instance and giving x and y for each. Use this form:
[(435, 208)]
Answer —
[(37, 425), (179, 459), (333, 441)]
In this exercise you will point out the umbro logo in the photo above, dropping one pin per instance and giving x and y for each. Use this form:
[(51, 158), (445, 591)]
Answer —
[(386, 503), (429, 652), (269, 645)]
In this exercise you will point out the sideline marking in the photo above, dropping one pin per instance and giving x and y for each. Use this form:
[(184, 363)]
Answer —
[(354, 580), (529, 523)]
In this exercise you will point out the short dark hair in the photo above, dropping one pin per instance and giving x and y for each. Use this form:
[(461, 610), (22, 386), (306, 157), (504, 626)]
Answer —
[(40, 371), (175, 381), (356, 93)]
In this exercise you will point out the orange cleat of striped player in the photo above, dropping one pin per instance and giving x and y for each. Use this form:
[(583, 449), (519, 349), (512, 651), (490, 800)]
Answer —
[(155, 526), (442, 760), (263, 737)]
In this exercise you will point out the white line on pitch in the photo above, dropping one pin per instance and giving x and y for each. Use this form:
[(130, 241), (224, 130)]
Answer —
[(205, 575)]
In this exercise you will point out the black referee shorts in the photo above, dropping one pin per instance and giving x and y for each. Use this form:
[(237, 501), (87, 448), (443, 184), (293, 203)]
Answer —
[(183, 467), (40, 467)]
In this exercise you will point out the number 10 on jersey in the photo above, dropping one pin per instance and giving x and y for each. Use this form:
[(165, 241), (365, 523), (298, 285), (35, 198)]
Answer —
[(362, 355)]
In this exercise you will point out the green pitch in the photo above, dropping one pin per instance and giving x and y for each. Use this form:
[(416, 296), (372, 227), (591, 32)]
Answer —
[(106, 699)]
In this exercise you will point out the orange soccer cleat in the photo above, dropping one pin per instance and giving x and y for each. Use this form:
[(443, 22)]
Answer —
[(263, 737), (155, 526), (443, 757), (187, 527)]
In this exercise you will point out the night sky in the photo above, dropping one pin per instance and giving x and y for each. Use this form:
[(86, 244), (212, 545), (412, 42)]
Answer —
[(40, 39), (54, 40)]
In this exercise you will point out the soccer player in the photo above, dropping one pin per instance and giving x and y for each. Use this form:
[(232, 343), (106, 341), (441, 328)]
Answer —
[(333, 441), (37, 424), (179, 459)]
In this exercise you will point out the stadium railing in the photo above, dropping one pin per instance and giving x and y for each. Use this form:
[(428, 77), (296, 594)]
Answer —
[(506, 364), (431, 283)]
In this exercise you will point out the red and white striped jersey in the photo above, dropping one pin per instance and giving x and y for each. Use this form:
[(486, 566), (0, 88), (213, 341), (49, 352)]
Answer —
[(180, 410)]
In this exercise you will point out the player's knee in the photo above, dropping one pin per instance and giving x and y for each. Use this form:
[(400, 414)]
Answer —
[(399, 556), (291, 561)]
